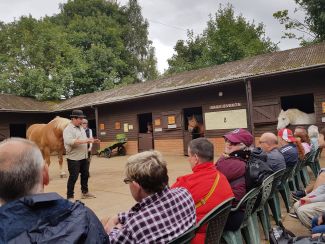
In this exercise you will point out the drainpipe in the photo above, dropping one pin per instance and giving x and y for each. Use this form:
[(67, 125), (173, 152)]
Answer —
[(249, 100), (96, 119)]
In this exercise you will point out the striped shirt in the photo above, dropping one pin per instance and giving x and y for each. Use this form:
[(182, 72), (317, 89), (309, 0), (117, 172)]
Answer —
[(158, 218), (290, 154)]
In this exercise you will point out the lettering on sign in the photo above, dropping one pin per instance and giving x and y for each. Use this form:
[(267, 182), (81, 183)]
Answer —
[(171, 126), (228, 105), (158, 129)]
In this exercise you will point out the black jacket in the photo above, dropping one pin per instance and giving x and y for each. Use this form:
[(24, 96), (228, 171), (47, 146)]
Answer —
[(48, 218)]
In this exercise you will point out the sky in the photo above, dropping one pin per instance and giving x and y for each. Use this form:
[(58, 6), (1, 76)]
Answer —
[(169, 20)]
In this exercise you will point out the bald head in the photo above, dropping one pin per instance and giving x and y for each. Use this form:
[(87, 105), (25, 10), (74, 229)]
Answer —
[(21, 167), (268, 141)]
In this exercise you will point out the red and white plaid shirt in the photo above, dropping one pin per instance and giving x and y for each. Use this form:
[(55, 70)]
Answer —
[(158, 218)]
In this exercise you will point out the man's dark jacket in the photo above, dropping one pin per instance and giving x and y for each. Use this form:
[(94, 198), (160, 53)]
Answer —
[(48, 218)]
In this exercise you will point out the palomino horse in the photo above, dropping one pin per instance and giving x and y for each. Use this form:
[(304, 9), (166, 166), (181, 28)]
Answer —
[(294, 116), (195, 126), (49, 138)]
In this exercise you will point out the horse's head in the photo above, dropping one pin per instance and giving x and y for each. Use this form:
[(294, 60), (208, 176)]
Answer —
[(192, 123), (283, 120)]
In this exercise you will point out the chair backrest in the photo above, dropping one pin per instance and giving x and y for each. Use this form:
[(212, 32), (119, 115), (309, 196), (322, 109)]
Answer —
[(278, 176), (216, 220), (247, 202), (186, 237), (288, 173), (266, 188)]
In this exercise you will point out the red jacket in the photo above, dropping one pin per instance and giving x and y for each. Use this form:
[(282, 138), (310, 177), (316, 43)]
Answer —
[(199, 184), (234, 169)]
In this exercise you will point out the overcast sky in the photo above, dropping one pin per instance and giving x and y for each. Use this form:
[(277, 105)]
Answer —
[(169, 19)]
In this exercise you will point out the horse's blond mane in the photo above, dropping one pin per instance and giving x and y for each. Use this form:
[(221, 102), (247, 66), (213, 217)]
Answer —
[(59, 122)]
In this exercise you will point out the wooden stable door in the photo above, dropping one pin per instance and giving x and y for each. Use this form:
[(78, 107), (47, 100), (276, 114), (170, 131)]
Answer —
[(145, 142), (186, 139)]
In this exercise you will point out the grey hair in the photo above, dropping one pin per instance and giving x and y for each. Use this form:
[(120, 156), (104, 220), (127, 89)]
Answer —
[(313, 131), (20, 168), (149, 170), (203, 148)]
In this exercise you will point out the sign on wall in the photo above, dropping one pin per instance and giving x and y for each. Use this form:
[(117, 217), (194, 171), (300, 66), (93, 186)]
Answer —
[(230, 119), (323, 107)]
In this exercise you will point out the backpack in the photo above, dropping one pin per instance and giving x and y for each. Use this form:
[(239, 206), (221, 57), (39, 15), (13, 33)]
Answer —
[(280, 235), (257, 169)]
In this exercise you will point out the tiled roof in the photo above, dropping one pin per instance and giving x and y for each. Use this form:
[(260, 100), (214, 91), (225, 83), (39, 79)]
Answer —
[(261, 65), (26, 104), (283, 61)]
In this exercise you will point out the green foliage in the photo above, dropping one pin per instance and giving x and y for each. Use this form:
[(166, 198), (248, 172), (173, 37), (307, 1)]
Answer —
[(226, 38), (312, 29), (90, 45)]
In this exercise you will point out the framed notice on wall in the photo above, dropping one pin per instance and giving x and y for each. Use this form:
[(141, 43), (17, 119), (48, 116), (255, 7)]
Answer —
[(117, 125), (102, 126), (230, 119), (171, 120), (323, 107)]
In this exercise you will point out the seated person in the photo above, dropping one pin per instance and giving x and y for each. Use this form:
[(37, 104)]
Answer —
[(301, 134), (313, 135), (207, 185), (287, 147), (232, 164), (318, 224), (161, 214), (310, 205), (27, 214), (269, 144)]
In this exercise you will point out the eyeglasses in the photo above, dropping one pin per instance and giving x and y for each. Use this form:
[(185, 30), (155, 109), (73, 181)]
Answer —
[(127, 181), (85, 123)]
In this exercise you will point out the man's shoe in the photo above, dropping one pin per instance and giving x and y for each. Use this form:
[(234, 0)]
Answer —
[(293, 215), (87, 195), (298, 194), (71, 199)]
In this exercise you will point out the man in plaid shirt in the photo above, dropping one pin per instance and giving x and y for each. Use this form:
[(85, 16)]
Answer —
[(161, 214)]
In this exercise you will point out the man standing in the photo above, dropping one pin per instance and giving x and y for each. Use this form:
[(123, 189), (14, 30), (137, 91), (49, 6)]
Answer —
[(75, 143), (161, 214), (89, 134), (269, 144), (27, 214)]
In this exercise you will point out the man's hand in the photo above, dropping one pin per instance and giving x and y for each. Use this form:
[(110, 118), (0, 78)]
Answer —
[(111, 223), (92, 140), (305, 200)]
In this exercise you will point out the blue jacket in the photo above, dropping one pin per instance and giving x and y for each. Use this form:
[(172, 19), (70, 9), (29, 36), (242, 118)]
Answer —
[(48, 218)]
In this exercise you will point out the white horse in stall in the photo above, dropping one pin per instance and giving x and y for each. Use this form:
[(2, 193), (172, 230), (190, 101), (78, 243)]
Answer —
[(294, 116)]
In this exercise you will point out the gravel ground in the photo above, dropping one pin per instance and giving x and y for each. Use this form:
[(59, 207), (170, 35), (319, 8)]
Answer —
[(113, 196)]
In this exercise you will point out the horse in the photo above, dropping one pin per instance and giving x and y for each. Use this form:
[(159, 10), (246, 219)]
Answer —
[(195, 126), (294, 116), (49, 138)]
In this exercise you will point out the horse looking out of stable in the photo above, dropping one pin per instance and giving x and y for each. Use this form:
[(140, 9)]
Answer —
[(294, 116), (49, 138)]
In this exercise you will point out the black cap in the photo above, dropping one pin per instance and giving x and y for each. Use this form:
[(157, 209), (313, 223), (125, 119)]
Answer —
[(77, 113)]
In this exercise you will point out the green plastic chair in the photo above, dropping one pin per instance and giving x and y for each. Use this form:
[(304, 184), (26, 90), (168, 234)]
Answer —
[(284, 189), (216, 220), (186, 237), (313, 162), (273, 200), (247, 203), (269, 185)]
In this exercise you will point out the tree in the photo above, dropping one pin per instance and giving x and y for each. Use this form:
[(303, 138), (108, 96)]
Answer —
[(226, 38), (90, 45), (312, 29)]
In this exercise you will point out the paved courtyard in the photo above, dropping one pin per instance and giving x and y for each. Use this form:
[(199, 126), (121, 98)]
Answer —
[(113, 196)]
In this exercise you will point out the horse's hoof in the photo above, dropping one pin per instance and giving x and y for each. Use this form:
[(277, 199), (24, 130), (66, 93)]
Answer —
[(63, 175)]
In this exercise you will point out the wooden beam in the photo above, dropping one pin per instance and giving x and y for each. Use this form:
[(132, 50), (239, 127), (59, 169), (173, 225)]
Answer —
[(249, 99)]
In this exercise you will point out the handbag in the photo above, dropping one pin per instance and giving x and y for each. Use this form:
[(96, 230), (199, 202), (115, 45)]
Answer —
[(280, 235)]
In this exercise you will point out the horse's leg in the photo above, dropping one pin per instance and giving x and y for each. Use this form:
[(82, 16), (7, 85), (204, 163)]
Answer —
[(62, 173), (46, 155)]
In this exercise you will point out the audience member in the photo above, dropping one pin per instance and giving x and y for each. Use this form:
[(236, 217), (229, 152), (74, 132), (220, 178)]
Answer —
[(233, 165), (287, 147), (27, 214), (313, 135), (301, 135), (207, 185), (269, 144), (309, 206), (161, 214)]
